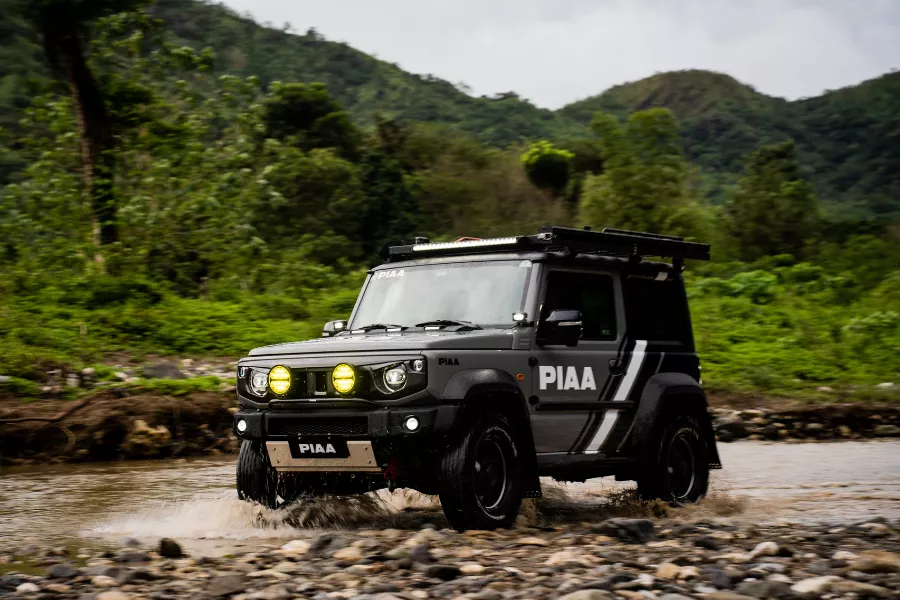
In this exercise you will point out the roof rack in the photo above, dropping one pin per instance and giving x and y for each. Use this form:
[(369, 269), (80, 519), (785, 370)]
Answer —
[(613, 242)]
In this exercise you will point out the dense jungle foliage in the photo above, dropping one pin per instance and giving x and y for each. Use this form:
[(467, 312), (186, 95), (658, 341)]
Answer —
[(164, 198)]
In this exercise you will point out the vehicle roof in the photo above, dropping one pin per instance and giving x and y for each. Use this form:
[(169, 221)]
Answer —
[(557, 258)]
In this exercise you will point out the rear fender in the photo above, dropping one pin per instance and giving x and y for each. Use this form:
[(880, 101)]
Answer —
[(666, 392)]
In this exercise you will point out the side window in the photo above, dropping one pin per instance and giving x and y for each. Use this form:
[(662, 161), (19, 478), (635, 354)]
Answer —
[(592, 294), (657, 310)]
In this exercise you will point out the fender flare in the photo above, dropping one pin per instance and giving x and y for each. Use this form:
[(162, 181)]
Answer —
[(660, 391), (469, 383)]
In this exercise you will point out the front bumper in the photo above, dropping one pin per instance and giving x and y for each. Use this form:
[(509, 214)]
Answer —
[(278, 425)]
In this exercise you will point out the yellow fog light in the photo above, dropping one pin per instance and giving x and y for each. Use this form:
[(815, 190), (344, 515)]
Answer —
[(344, 378), (279, 380)]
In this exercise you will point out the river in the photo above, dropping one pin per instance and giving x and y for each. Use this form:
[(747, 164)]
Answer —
[(194, 500)]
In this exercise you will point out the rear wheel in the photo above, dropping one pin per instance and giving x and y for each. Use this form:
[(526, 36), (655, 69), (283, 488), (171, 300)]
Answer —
[(257, 480), (677, 471), (481, 477)]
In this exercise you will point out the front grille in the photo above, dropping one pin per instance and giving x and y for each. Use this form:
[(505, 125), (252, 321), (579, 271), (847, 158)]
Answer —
[(319, 426)]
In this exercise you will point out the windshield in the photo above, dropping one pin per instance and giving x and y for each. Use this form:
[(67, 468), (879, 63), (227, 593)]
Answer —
[(483, 293)]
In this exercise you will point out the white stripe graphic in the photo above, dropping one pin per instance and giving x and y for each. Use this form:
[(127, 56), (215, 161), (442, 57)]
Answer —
[(612, 415)]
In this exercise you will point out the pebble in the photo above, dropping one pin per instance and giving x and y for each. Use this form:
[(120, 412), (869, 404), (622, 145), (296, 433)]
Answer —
[(169, 548), (814, 585), (764, 549), (27, 588)]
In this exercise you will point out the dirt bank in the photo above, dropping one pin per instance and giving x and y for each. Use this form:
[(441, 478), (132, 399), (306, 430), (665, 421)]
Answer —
[(112, 425)]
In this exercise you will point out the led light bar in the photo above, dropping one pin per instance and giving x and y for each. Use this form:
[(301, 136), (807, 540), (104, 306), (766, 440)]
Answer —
[(507, 241)]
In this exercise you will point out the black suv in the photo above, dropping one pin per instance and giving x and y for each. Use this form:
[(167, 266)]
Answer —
[(470, 369)]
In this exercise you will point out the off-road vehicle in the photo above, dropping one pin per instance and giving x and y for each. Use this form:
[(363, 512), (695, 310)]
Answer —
[(470, 369)]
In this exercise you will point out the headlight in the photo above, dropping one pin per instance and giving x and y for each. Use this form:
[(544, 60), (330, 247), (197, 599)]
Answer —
[(395, 378), (343, 378), (279, 380), (258, 381)]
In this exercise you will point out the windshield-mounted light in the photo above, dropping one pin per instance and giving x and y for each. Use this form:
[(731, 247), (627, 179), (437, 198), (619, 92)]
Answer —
[(507, 241)]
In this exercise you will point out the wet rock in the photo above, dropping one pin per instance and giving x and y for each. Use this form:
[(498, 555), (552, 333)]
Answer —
[(62, 571), (628, 530), (162, 370), (443, 572), (227, 585), (169, 548), (27, 588)]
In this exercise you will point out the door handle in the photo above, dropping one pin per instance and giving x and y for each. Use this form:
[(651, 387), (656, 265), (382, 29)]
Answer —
[(615, 366)]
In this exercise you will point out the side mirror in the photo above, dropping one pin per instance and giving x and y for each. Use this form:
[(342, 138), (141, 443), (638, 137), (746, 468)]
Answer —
[(561, 327), (333, 328)]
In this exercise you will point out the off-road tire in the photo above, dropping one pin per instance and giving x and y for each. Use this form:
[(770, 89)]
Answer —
[(257, 480), (470, 497), (679, 444)]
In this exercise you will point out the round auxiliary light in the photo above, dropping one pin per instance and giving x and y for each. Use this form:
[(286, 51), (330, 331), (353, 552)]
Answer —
[(418, 365), (242, 426), (411, 424), (395, 378), (279, 380), (343, 378)]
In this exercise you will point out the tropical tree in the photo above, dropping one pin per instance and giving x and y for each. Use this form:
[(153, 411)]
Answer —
[(548, 167)]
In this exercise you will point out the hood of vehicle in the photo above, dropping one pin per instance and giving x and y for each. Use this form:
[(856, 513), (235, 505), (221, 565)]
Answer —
[(479, 339)]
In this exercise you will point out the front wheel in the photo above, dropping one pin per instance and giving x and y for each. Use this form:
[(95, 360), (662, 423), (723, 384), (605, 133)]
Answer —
[(481, 476), (257, 480), (677, 470)]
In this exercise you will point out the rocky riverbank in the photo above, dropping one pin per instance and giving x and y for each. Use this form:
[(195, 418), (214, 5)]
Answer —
[(616, 558)]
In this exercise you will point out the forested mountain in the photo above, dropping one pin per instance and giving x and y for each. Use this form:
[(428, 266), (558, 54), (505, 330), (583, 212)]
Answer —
[(848, 141)]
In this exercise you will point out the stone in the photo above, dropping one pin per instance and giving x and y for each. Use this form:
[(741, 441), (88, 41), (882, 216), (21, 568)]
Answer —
[(104, 581), (724, 595), (295, 547), (877, 561), (815, 585), (472, 569), (586, 595), (169, 548), (708, 542), (861, 589), (146, 441), (133, 557), (627, 530), (731, 425), (62, 571), (668, 570), (532, 541), (273, 592), (443, 572), (348, 554), (764, 549), (112, 595), (675, 597), (844, 555), (27, 587), (887, 431), (162, 370), (564, 557), (227, 585), (421, 554), (764, 588)]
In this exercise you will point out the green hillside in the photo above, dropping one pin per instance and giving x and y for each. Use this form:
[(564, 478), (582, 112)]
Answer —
[(848, 140)]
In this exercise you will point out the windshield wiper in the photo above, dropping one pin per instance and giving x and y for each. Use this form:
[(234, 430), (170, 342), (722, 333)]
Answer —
[(449, 322), (378, 326)]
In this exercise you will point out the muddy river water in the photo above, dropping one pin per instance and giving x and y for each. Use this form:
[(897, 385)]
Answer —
[(194, 500)]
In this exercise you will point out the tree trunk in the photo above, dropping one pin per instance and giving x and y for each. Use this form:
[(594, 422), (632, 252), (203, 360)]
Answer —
[(65, 50)]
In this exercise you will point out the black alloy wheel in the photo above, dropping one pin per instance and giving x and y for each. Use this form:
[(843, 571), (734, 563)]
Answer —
[(480, 475), (678, 470)]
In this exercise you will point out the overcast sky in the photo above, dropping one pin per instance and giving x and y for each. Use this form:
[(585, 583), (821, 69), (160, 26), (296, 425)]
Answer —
[(557, 51)]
